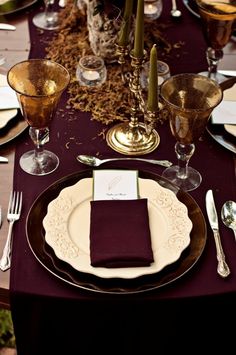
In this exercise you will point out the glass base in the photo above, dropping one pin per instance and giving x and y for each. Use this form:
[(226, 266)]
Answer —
[(193, 180), (46, 163), (214, 76), (49, 23)]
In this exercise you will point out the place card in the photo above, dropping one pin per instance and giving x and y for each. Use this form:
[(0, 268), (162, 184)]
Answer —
[(115, 184), (225, 112)]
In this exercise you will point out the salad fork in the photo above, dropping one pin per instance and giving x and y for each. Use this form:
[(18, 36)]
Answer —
[(13, 214)]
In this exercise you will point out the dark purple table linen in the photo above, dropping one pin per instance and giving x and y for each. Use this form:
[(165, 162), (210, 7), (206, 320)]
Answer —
[(120, 234), (47, 310), (212, 160)]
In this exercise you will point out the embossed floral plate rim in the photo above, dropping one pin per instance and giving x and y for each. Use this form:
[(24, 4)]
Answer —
[(64, 272), (67, 226)]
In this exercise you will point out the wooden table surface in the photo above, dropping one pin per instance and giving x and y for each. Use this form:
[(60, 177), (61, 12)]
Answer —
[(15, 45)]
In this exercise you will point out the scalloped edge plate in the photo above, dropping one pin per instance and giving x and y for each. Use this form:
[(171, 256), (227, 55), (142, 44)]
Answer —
[(67, 226)]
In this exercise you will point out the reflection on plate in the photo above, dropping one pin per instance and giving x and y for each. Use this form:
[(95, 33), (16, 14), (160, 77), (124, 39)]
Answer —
[(192, 7), (12, 6), (220, 135), (6, 116), (65, 272), (231, 128), (67, 226)]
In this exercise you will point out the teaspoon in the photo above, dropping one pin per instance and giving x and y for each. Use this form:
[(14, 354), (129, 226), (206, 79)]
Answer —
[(94, 161), (174, 11), (228, 215)]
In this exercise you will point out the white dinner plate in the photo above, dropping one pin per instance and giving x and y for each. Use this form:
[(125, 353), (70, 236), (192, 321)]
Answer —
[(6, 116), (67, 225), (231, 128)]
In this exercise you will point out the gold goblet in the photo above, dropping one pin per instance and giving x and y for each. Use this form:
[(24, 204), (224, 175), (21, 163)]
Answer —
[(218, 19), (38, 84), (190, 99)]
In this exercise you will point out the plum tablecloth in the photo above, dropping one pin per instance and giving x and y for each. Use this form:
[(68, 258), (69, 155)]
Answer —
[(69, 320)]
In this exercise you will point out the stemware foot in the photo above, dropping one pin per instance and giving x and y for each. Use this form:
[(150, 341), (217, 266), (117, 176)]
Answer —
[(219, 78), (43, 164), (45, 22), (190, 183)]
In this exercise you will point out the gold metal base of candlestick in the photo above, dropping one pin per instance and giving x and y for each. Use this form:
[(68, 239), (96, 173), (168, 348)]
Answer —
[(132, 140)]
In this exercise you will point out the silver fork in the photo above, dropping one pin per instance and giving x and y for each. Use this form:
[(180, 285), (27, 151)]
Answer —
[(13, 214)]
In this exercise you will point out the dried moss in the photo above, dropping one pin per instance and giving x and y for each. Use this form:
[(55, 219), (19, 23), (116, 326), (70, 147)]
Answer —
[(111, 101)]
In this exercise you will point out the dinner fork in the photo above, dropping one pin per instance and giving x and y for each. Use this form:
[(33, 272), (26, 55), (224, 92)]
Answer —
[(13, 214)]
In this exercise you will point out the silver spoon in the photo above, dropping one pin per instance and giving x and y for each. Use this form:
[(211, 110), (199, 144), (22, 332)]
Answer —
[(94, 161), (228, 215), (174, 11)]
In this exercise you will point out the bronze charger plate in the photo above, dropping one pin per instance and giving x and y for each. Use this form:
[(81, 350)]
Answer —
[(13, 129), (192, 7), (220, 135), (13, 6), (62, 270)]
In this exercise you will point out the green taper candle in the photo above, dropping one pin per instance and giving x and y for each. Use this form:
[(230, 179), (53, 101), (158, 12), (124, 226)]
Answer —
[(126, 23), (139, 30), (152, 103)]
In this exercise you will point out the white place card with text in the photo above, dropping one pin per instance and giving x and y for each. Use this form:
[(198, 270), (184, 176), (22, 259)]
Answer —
[(115, 184)]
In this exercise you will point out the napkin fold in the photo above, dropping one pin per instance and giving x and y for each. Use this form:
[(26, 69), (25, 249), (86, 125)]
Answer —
[(120, 234)]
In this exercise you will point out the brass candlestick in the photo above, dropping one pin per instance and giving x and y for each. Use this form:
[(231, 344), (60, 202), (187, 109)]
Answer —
[(134, 137)]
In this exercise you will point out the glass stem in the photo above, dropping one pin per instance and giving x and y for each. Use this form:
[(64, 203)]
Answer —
[(39, 136), (184, 153), (213, 58), (49, 13)]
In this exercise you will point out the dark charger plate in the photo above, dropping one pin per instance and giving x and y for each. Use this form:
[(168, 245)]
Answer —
[(46, 256), (13, 6)]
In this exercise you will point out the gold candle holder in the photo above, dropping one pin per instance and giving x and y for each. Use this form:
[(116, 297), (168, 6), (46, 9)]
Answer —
[(122, 52), (134, 137)]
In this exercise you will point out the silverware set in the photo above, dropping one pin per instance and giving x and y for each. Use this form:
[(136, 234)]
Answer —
[(13, 215), (228, 217), (222, 267)]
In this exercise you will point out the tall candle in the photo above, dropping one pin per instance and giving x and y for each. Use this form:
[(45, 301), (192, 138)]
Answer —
[(125, 26), (152, 103), (139, 30)]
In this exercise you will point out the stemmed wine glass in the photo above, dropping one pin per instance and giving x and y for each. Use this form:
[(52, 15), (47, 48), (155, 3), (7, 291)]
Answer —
[(38, 84), (190, 99), (48, 20), (218, 19)]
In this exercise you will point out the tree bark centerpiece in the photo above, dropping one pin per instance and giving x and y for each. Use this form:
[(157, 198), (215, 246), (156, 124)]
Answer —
[(104, 20)]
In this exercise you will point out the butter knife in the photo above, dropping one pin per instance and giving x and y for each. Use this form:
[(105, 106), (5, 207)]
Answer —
[(7, 27), (227, 72), (222, 267), (3, 160)]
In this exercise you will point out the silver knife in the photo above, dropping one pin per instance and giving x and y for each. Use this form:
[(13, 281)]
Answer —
[(227, 72), (222, 267), (7, 27), (3, 160)]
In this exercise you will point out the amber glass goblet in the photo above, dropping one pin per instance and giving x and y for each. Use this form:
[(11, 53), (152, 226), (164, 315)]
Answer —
[(38, 84), (190, 99), (218, 20)]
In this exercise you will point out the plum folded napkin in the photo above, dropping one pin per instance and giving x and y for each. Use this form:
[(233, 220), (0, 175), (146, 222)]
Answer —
[(120, 234)]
